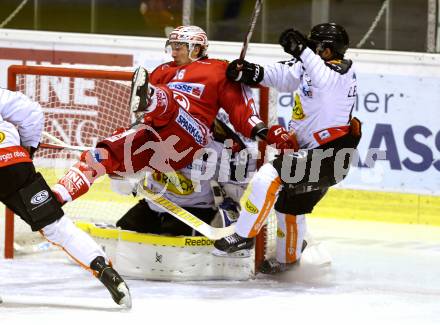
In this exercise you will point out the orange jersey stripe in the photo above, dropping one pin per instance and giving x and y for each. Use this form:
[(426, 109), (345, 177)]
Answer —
[(267, 206), (291, 238)]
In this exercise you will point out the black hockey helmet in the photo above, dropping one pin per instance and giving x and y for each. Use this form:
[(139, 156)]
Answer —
[(329, 35)]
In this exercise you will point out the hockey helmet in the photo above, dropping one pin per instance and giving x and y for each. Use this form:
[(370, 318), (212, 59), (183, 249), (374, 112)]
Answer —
[(329, 35), (191, 35)]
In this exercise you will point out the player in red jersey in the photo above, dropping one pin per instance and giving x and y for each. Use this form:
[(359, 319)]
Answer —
[(178, 104)]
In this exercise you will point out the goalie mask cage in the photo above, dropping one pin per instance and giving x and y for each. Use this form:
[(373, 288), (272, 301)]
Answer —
[(81, 106)]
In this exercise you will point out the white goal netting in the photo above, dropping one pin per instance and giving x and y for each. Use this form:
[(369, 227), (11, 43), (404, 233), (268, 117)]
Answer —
[(82, 106)]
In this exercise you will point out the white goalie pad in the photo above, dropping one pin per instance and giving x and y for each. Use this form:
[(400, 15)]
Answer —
[(158, 257)]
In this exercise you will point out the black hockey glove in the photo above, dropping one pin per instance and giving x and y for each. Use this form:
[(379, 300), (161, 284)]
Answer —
[(242, 71), (293, 42)]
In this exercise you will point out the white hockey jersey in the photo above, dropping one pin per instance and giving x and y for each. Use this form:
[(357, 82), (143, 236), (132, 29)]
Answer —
[(324, 93), (21, 124)]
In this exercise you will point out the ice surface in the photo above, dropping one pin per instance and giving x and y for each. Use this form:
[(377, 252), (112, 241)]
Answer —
[(381, 274)]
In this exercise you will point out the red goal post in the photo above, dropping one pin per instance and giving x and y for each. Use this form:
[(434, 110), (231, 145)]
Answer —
[(82, 105)]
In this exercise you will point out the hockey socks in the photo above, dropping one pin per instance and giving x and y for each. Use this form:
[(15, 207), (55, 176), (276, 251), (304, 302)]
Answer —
[(77, 181)]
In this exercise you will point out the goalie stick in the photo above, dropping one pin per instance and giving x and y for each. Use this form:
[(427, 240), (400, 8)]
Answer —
[(183, 215)]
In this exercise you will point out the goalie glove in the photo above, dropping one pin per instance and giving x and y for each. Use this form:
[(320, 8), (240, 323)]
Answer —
[(243, 71), (293, 42), (282, 139)]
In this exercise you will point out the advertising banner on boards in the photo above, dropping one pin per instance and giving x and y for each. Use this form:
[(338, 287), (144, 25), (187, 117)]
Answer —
[(398, 97)]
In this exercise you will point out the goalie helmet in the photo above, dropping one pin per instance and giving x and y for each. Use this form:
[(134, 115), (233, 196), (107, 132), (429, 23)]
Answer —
[(330, 35), (191, 35)]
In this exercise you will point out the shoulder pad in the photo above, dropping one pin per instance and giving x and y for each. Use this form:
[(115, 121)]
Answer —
[(340, 66)]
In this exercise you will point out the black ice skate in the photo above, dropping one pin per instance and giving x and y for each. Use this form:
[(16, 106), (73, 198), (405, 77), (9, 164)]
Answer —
[(233, 244), (112, 281), (140, 98), (272, 266)]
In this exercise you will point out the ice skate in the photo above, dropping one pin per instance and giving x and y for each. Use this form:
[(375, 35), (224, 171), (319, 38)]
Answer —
[(140, 98), (233, 244), (272, 266), (112, 281)]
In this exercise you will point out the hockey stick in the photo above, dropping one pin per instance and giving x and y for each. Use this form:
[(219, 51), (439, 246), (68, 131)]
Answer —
[(184, 216), (52, 142), (250, 31)]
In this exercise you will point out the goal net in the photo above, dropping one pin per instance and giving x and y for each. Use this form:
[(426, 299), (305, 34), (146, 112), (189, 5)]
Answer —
[(81, 106)]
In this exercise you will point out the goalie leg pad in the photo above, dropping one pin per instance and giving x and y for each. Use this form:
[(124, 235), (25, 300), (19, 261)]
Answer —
[(41, 205)]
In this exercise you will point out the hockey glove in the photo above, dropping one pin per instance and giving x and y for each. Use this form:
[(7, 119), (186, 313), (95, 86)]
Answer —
[(282, 139), (242, 71), (293, 42)]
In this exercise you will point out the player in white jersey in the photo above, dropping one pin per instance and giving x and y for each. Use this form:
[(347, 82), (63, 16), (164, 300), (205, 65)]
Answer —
[(25, 192), (325, 93)]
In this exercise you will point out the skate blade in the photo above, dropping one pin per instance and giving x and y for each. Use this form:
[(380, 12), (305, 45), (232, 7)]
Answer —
[(138, 81), (239, 254), (134, 105), (125, 302)]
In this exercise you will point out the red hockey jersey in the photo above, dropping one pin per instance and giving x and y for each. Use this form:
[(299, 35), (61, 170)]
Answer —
[(202, 88)]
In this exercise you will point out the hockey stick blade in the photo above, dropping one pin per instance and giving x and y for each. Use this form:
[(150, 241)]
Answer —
[(250, 31), (185, 216)]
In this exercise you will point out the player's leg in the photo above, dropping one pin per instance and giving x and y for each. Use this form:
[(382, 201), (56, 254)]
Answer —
[(30, 197), (260, 196), (78, 179), (256, 204), (290, 243)]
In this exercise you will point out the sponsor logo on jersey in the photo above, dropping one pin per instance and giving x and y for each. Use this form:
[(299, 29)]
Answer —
[(175, 182), (190, 125), (182, 100), (198, 242), (280, 233), (324, 134), (189, 88), (250, 207), (297, 110), (2, 137), (40, 197)]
